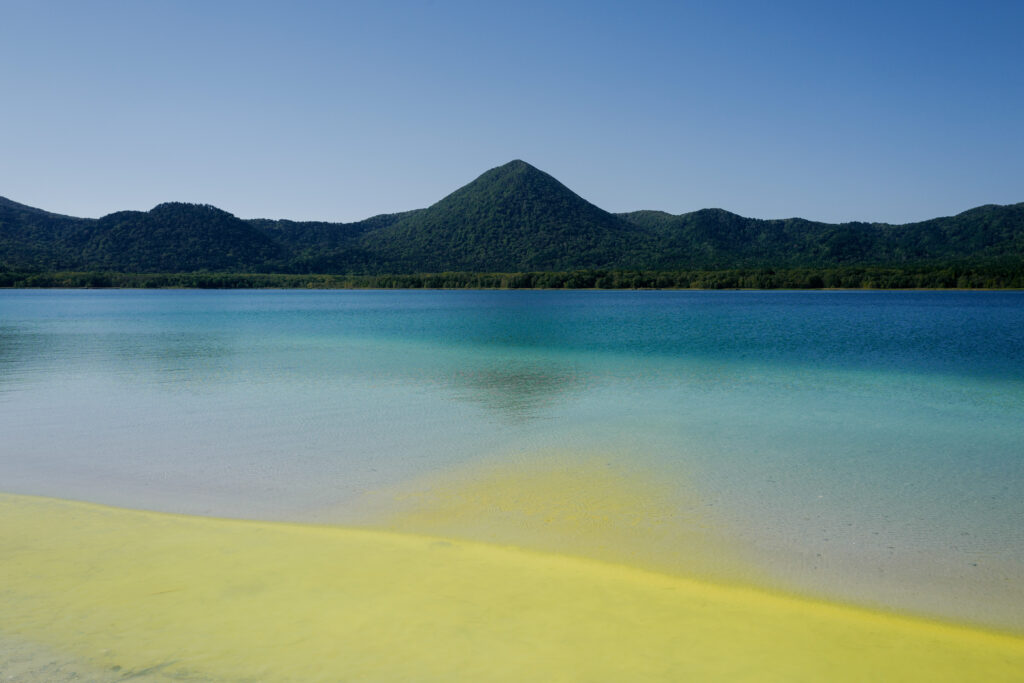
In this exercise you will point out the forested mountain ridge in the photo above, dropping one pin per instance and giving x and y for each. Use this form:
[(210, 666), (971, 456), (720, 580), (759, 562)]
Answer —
[(513, 218), (713, 238), (178, 237), (33, 238)]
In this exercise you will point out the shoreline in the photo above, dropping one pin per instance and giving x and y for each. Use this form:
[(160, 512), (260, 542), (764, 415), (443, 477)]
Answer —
[(645, 517), (893, 277), (298, 288), (225, 599)]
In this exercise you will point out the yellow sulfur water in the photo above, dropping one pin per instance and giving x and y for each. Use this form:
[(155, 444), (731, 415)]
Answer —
[(181, 597), (563, 502)]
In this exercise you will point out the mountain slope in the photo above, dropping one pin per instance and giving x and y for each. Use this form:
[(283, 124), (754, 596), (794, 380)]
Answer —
[(321, 247), (512, 218), (33, 236), (713, 238), (177, 237)]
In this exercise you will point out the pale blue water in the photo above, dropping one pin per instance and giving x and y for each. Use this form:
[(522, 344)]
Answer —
[(844, 437)]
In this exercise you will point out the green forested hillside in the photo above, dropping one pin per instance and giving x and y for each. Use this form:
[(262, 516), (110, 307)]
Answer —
[(713, 238), (177, 236), (37, 239), (321, 247), (512, 219), (172, 237)]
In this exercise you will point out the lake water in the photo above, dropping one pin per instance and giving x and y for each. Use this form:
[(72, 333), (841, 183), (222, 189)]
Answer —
[(861, 446)]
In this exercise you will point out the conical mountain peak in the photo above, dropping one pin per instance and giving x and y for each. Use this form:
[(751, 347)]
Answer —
[(512, 217), (514, 172), (512, 180), (517, 164)]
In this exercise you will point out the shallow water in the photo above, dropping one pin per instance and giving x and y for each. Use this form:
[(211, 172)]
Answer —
[(864, 446), (103, 594)]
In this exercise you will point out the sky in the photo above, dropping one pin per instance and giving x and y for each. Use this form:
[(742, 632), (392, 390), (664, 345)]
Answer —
[(834, 111)]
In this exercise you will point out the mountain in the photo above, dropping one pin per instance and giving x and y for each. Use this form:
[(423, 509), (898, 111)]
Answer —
[(713, 238), (321, 247), (513, 218), (177, 237), (35, 238)]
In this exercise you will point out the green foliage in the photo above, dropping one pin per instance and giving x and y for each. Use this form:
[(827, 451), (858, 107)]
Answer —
[(713, 238), (949, 277), (517, 220), (512, 217), (33, 238), (178, 237)]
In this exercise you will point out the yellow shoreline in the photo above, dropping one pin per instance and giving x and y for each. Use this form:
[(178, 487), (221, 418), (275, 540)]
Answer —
[(217, 599)]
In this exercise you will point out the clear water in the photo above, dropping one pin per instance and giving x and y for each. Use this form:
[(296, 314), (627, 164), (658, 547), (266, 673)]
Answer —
[(860, 444)]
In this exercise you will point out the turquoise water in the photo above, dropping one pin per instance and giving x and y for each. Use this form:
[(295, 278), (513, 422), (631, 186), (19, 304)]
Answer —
[(865, 445)]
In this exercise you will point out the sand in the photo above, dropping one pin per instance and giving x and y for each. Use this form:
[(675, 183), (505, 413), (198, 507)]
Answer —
[(619, 510), (177, 597)]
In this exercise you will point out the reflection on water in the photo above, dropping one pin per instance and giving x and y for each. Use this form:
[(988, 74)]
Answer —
[(14, 345), (185, 358), (515, 391), (26, 351), (27, 355)]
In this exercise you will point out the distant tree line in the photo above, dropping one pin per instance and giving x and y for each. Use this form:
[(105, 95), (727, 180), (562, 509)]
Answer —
[(1009, 276)]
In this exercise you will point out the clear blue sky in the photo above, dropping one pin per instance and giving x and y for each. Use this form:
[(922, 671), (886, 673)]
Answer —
[(890, 111)]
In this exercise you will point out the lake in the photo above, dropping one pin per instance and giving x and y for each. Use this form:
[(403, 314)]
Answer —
[(865, 447)]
